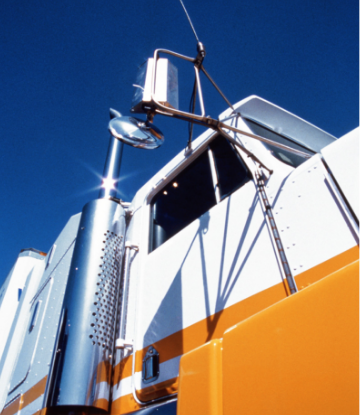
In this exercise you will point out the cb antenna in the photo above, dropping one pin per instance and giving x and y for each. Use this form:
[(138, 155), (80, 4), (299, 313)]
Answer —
[(192, 26), (200, 47), (198, 63)]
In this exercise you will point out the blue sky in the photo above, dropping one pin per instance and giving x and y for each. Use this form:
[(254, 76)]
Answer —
[(64, 64)]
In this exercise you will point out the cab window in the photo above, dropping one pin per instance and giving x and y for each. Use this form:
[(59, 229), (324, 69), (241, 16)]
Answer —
[(209, 179)]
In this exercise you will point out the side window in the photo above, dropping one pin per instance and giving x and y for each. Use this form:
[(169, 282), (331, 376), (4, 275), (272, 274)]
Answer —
[(210, 178), (182, 201), (231, 171)]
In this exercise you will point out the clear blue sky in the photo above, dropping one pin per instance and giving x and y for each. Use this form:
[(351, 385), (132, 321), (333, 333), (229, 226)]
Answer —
[(64, 63)]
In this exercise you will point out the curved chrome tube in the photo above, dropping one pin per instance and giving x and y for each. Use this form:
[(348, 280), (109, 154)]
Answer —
[(111, 169)]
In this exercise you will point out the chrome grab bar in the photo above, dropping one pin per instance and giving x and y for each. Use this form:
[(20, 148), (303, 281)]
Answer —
[(121, 342)]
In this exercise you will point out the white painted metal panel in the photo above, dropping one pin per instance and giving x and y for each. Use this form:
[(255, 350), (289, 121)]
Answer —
[(17, 332), (218, 260), (10, 300), (342, 158), (34, 354), (281, 121), (312, 224)]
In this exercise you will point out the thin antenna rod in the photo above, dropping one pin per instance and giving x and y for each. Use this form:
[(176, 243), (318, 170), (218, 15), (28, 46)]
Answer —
[(217, 88), (192, 27)]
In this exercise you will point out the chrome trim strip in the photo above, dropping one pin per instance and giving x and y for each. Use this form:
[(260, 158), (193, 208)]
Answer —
[(122, 342)]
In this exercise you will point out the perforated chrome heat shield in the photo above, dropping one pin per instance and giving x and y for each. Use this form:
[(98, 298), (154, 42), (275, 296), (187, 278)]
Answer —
[(81, 369)]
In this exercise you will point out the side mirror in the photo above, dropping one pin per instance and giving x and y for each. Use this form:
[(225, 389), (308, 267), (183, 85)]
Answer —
[(136, 133)]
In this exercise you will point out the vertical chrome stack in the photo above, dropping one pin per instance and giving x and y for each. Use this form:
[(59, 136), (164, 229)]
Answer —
[(82, 360)]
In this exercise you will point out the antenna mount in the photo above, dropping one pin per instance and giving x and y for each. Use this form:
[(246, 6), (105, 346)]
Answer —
[(201, 54)]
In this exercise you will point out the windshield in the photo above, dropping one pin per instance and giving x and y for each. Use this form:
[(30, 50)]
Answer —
[(282, 155)]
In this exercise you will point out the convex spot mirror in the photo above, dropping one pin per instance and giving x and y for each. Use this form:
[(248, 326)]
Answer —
[(136, 133)]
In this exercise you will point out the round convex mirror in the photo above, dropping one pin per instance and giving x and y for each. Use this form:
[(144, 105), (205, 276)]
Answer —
[(136, 133)]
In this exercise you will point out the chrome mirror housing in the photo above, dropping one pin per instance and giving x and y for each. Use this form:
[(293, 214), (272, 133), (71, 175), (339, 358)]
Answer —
[(136, 133)]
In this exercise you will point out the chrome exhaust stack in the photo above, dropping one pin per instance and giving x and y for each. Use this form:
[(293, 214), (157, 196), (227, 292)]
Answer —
[(82, 360), (81, 367)]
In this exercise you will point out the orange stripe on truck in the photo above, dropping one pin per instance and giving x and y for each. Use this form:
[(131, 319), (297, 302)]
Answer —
[(123, 369), (201, 332), (300, 356), (192, 337), (326, 268), (33, 393), (103, 372), (26, 398), (127, 403), (102, 404), (12, 408), (214, 326)]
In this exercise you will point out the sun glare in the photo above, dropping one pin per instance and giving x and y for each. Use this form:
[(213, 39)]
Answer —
[(108, 183)]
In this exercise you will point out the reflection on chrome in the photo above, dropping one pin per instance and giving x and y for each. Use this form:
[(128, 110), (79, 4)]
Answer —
[(108, 183), (136, 133)]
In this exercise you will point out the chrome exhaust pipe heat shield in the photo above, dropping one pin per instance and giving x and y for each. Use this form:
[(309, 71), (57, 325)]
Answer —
[(82, 362)]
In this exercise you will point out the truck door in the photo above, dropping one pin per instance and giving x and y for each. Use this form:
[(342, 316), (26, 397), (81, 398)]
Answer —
[(204, 250)]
